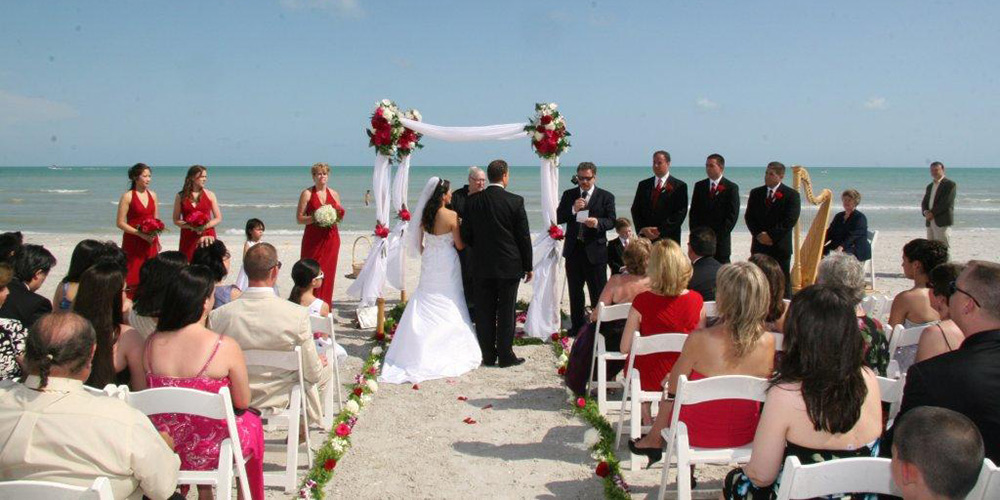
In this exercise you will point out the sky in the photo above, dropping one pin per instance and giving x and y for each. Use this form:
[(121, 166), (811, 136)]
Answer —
[(293, 82)]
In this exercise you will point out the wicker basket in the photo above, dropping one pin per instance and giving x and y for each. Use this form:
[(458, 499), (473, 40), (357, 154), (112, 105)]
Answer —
[(357, 265)]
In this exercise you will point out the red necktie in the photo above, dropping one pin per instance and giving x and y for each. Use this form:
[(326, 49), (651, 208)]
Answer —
[(657, 190), (770, 197), (713, 191)]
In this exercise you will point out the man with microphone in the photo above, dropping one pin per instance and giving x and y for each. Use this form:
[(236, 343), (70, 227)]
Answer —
[(588, 212)]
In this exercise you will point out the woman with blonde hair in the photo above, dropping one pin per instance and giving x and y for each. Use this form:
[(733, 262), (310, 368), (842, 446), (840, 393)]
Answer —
[(736, 345), (321, 244), (668, 307)]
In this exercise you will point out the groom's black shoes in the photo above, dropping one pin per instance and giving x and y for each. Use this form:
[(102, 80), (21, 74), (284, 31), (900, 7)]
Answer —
[(489, 362), (514, 362)]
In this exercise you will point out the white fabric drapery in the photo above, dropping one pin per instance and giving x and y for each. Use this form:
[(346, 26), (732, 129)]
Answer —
[(543, 311), (371, 280), (504, 132), (396, 259)]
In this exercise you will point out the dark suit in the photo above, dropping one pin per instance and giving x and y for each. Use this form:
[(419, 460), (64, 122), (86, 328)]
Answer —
[(719, 212), (669, 211), (459, 197), (851, 234), (496, 227), (777, 219), (23, 304), (966, 380), (616, 255), (703, 278), (944, 203), (585, 249)]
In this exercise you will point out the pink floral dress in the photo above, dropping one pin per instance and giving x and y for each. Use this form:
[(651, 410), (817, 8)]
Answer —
[(197, 439)]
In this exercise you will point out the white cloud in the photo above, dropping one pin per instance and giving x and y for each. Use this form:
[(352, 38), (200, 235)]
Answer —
[(706, 103), (350, 8), (15, 108), (876, 103)]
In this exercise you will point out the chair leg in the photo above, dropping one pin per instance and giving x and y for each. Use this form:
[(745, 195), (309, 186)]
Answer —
[(224, 483), (602, 386), (635, 421), (292, 445)]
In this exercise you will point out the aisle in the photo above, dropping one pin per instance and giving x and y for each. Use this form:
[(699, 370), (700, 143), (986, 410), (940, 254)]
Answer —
[(414, 444)]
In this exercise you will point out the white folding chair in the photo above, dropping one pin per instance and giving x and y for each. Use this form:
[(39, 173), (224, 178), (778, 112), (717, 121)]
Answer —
[(905, 337), (633, 396), (100, 489), (988, 485), (708, 307), (109, 390), (295, 417), (892, 393), (779, 341), (203, 404), (324, 325), (868, 266), (844, 475), (676, 436), (602, 354)]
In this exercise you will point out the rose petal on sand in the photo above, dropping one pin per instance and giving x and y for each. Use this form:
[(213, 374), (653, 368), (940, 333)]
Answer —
[(487, 407), (416, 387), (463, 398), (469, 420)]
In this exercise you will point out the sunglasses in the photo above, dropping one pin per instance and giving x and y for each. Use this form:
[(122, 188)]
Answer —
[(953, 287), (278, 265), (319, 277), (582, 178)]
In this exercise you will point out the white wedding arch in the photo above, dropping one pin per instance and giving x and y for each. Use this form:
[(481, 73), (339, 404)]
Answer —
[(386, 259)]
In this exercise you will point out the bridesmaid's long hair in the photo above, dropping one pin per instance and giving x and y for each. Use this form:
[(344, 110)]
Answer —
[(99, 300), (193, 172), (303, 274), (433, 204), (135, 172)]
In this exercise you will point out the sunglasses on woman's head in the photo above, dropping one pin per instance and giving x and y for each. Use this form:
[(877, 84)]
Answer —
[(318, 277)]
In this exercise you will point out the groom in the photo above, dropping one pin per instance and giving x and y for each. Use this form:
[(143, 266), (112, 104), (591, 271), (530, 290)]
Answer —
[(496, 227)]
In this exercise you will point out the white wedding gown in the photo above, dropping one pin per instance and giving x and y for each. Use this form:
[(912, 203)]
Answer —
[(435, 338)]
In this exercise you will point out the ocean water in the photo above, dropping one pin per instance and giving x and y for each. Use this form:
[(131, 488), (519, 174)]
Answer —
[(83, 199)]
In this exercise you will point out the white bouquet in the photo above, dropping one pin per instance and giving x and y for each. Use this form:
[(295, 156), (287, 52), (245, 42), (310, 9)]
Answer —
[(326, 216)]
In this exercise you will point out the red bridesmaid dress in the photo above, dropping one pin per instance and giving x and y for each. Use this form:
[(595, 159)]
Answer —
[(189, 238), (322, 244), (663, 314), (137, 250)]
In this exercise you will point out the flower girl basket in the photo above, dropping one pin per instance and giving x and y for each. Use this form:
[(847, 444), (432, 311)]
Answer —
[(357, 265)]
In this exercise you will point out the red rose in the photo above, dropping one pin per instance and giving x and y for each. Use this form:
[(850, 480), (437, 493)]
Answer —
[(561, 370), (358, 391), (603, 469), (404, 215), (329, 464), (546, 119), (554, 336), (197, 218), (379, 336), (778, 195), (372, 370), (669, 188), (340, 213), (381, 231), (343, 430), (555, 232), (378, 112), (580, 402)]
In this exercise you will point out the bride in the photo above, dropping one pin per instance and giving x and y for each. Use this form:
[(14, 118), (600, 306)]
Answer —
[(434, 338)]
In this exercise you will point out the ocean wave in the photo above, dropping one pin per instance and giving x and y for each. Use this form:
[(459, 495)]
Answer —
[(64, 191), (276, 232), (258, 205)]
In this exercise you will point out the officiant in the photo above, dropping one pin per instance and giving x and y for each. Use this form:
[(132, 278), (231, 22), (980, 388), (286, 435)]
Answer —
[(477, 183), (588, 212)]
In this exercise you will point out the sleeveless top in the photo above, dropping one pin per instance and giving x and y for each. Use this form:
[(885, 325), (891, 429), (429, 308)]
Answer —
[(65, 304)]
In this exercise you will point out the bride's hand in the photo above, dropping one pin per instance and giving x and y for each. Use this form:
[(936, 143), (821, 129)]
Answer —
[(528, 276)]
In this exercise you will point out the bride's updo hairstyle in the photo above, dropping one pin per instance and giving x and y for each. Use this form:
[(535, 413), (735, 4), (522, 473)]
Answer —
[(433, 204), (303, 274)]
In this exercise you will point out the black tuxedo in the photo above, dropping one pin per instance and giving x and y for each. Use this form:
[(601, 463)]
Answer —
[(966, 380), (496, 227), (703, 278), (616, 255), (585, 248), (667, 214), (944, 203), (23, 304), (459, 197), (851, 234), (719, 212), (777, 219)]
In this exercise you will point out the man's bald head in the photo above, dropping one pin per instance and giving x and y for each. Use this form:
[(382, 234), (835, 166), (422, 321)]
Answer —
[(59, 342), (259, 261)]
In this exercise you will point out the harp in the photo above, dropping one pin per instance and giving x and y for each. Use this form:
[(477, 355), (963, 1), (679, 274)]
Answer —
[(809, 251)]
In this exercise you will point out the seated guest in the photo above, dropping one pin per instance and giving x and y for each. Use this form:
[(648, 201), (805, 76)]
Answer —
[(848, 232), (154, 275), (10, 246), (701, 251), (913, 307), (54, 430), (944, 336), (822, 404), (776, 307), (617, 246), (736, 345), (620, 289), (30, 270), (842, 269), (938, 453), (307, 276), (103, 290), (967, 379), (12, 332), (262, 320), (183, 353), (668, 307), (215, 257), (85, 254)]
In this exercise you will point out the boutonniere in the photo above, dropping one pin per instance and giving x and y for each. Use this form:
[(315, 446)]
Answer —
[(669, 188), (778, 195), (719, 188)]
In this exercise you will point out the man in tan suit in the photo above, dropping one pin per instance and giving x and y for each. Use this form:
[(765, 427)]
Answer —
[(259, 319)]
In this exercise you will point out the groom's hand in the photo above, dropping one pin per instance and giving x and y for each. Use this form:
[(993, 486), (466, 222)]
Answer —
[(527, 277)]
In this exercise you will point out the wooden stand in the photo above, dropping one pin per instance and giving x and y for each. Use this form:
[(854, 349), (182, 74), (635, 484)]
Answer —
[(380, 326)]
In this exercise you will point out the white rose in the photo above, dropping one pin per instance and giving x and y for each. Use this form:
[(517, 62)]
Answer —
[(388, 114), (539, 136), (376, 364), (550, 126), (377, 350), (366, 398), (372, 385), (352, 407), (563, 359), (386, 102), (553, 106), (336, 446), (591, 438)]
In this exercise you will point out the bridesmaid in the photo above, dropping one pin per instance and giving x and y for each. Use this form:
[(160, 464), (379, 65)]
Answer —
[(136, 205), (193, 197), (321, 244)]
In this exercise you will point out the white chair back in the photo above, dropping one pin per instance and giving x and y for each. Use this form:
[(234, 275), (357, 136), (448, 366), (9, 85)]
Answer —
[(652, 344), (844, 475), (203, 404), (321, 324), (905, 337), (709, 309), (601, 356), (892, 393), (100, 489), (868, 266), (779, 341), (988, 485)]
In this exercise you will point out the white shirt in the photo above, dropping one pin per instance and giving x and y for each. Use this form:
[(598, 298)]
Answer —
[(771, 190), (934, 188), (589, 192), (661, 182), (66, 435), (712, 184), (497, 184)]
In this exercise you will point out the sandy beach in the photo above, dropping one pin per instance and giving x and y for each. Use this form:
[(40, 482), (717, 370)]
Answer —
[(412, 442)]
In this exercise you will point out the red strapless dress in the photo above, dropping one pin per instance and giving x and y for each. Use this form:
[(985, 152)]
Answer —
[(137, 250), (189, 238), (323, 245), (724, 423)]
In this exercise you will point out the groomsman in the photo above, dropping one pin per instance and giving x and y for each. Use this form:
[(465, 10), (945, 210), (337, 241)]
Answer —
[(715, 204), (772, 211), (586, 246), (459, 197), (660, 203), (938, 205)]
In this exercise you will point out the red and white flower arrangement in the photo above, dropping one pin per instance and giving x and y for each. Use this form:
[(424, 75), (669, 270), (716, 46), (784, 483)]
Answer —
[(197, 219), (549, 137), (385, 129), (408, 140), (151, 226)]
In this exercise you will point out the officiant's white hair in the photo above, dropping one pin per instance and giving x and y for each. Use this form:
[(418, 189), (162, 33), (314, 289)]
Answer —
[(474, 171)]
